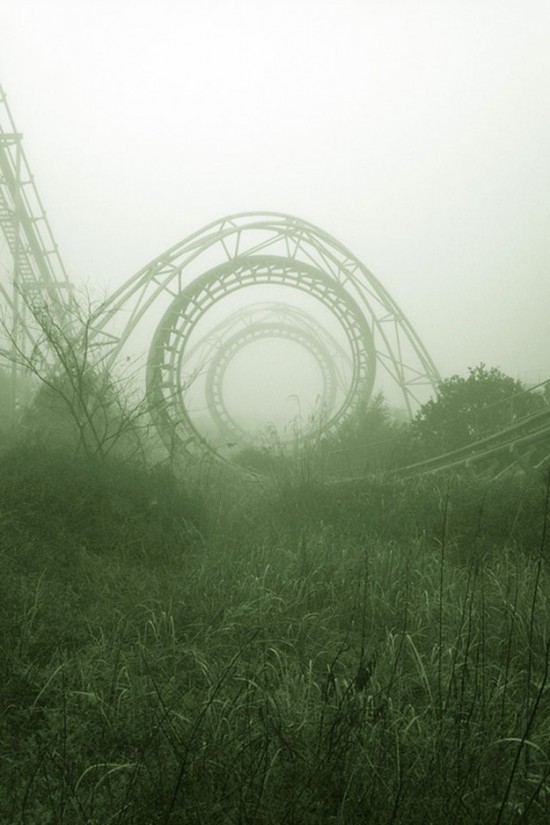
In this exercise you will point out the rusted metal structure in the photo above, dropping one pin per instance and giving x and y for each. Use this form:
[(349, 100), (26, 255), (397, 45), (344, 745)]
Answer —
[(243, 279), (246, 255), (29, 253)]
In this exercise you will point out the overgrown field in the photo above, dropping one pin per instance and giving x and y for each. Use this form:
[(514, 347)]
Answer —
[(274, 652)]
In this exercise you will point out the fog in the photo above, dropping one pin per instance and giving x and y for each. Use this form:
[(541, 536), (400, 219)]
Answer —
[(414, 132)]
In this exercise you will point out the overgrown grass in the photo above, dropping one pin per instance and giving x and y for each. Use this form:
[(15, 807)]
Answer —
[(275, 653)]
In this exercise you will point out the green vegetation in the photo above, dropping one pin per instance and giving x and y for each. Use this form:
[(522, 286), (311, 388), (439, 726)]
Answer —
[(466, 410), (372, 440), (279, 651), (270, 648), (376, 439)]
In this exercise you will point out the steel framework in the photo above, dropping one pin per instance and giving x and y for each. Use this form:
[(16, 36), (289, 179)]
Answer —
[(37, 270), (362, 330), (248, 253), (37, 275), (217, 370), (197, 303), (273, 321)]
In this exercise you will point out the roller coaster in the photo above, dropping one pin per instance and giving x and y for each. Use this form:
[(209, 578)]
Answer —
[(220, 292)]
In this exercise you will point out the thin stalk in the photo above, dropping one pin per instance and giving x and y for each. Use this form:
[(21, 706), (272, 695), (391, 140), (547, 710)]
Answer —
[(443, 542), (527, 730)]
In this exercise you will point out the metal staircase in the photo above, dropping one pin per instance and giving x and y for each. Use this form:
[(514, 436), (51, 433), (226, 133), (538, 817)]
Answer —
[(38, 274)]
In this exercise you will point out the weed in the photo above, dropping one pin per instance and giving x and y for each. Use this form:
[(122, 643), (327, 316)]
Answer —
[(270, 653)]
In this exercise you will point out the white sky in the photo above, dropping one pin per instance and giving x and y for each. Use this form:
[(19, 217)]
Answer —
[(416, 132)]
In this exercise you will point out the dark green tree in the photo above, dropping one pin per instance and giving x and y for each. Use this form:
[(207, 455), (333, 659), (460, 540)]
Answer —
[(466, 410), (371, 440)]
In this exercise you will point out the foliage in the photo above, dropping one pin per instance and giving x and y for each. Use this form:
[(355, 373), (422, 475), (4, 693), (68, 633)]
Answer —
[(6, 403), (11, 409), (380, 656), (370, 440), (79, 401), (466, 410), (96, 503)]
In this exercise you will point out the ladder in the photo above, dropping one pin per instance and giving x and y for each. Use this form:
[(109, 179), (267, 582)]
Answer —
[(38, 275), (35, 278)]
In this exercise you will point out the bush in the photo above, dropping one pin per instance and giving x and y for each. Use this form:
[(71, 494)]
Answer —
[(87, 502), (466, 410)]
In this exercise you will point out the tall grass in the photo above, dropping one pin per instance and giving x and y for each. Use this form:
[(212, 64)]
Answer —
[(294, 653)]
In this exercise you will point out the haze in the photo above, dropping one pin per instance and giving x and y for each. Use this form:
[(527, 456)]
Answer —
[(414, 132)]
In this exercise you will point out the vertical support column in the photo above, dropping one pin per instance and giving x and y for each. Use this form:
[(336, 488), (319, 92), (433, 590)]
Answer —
[(36, 271), (10, 142), (17, 304)]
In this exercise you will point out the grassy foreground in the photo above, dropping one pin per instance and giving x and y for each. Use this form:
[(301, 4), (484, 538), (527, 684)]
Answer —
[(274, 653)]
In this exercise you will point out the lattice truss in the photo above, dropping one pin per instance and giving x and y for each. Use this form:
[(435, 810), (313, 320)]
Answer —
[(191, 313), (252, 277), (32, 273)]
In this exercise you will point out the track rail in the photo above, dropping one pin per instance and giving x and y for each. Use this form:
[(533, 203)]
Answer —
[(526, 442), (37, 275), (38, 278)]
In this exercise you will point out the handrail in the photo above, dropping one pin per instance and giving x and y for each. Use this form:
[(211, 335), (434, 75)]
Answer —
[(44, 269)]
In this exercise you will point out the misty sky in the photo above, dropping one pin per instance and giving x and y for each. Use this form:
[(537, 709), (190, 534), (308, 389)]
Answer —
[(417, 133)]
